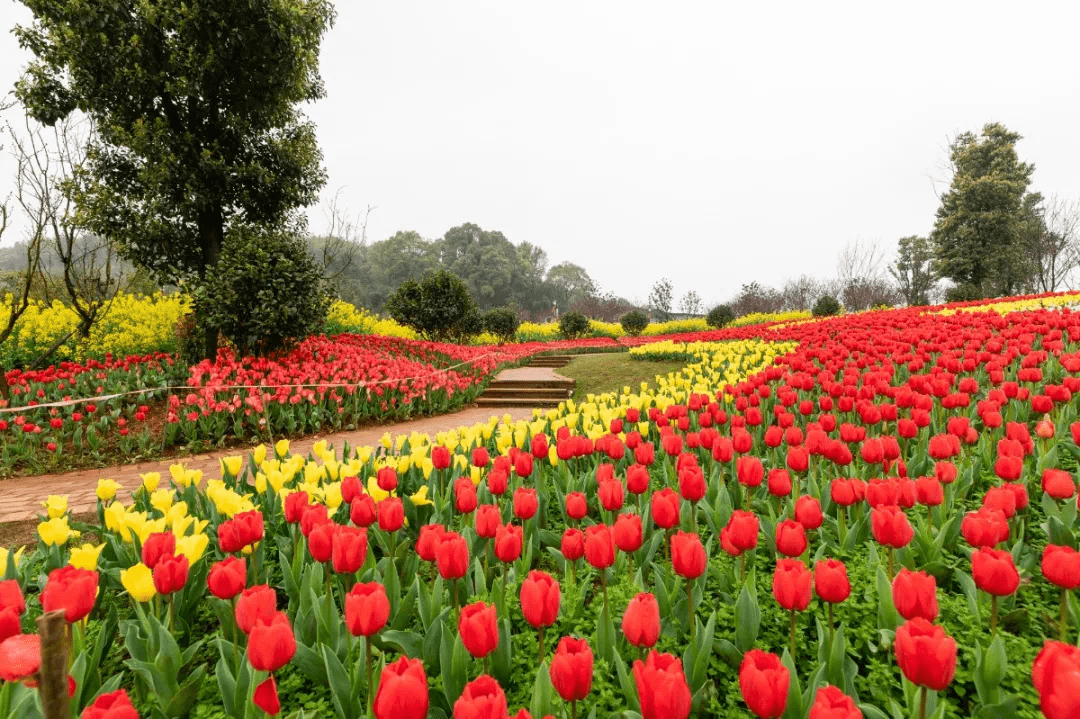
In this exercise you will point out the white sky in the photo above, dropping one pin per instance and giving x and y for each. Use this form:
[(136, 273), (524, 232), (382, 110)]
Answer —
[(712, 143)]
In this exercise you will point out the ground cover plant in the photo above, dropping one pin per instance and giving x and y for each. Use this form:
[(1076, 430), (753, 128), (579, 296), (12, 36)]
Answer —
[(862, 516)]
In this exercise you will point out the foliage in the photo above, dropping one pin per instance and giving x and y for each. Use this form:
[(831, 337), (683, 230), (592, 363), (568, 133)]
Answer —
[(265, 293), (634, 322), (344, 317), (502, 322), (196, 109), (439, 306), (964, 292), (660, 299), (720, 316), (573, 325), (826, 306), (983, 214), (912, 269), (690, 303)]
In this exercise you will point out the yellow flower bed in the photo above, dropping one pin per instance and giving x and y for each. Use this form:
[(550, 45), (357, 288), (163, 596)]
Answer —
[(133, 324), (343, 317), (757, 318), (1005, 307)]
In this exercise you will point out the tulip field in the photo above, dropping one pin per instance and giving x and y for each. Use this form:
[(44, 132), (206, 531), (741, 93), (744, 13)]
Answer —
[(872, 515)]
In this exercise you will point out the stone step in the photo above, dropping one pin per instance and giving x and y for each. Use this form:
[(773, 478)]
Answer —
[(537, 392), (564, 384), (485, 401)]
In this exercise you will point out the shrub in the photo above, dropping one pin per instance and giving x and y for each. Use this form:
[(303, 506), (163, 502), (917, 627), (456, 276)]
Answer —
[(439, 307), (265, 292), (502, 322), (966, 292), (573, 325), (720, 316), (826, 306), (634, 322)]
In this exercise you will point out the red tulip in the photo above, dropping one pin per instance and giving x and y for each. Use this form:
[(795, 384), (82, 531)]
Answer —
[(498, 482), (349, 550), (321, 542), (994, 572), (573, 544), (158, 545), (249, 526), (791, 584), (1058, 484), (72, 590), (266, 696), (665, 506), (764, 683), (1061, 566), (831, 581), (779, 482), (114, 705), (479, 629), (452, 556), (540, 598), (842, 492), (641, 622), (227, 578), (171, 573), (628, 532), (403, 691), (464, 495), (387, 479), (891, 527), (749, 471), (11, 597), (831, 703), (508, 541), (20, 657), (482, 698), (480, 457), (985, 528), (927, 656), (256, 604), (271, 645), (599, 546), (808, 512), (1056, 674), (611, 495), (367, 608), (350, 490), (525, 502), (688, 555), (427, 543), (362, 511), (929, 491), (440, 457), (790, 538), (741, 532), (391, 514), (915, 595), (576, 505), (295, 505), (637, 479), (661, 686), (572, 669), (692, 484)]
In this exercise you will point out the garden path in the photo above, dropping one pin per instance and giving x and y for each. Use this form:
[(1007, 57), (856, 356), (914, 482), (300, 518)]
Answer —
[(21, 498)]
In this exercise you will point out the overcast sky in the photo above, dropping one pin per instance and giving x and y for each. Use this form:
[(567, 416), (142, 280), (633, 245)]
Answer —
[(711, 143)]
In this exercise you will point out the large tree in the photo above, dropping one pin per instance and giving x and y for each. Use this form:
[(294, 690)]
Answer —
[(571, 284), (195, 103), (912, 271), (984, 213)]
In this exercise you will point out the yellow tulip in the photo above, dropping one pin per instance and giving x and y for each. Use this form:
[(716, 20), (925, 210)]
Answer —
[(403, 464), (333, 469), (378, 493), (313, 473), (162, 499), (476, 474), (139, 582), (332, 495), (116, 520), (276, 480), (259, 455), (179, 525), (107, 489), (399, 441), (150, 481), (260, 483), (16, 557), (419, 498), (148, 527), (56, 505), (179, 474), (192, 546), (386, 440), (232, 465), (319, 448), (55, 531), (85, 557), (427, 467), (193, 477), (281, 449), (364, 454)]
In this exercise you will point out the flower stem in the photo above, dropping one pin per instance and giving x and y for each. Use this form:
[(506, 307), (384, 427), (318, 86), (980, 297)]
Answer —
[(367, 653), (993, 614), (792, 635), (541, 644), (690, 608), (922, 704), (1063, 624), (832, 630)]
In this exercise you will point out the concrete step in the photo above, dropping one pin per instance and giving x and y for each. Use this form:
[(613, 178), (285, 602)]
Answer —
[(565, 384), (485, 401), (538, 393)]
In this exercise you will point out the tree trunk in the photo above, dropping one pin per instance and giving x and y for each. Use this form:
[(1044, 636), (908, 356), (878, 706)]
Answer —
[(211, 235)]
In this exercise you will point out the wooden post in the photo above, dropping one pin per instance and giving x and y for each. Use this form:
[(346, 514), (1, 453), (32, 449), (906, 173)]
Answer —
[(52, 627)]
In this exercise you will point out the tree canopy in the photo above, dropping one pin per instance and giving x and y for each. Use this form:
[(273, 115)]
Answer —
[(985, 213)]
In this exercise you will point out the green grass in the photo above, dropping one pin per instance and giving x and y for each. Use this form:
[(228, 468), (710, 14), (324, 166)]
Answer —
[(596, 374)]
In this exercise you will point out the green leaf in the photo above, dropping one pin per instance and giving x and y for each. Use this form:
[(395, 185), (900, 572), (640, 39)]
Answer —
[(629, 688), (340, 685), (747, 617), (181, 702), (541, 694), (794, 708), (410, 644), (310, 664), (967, 586)]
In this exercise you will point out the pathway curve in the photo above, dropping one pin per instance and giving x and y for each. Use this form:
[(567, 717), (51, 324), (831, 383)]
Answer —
[(21, 498)]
